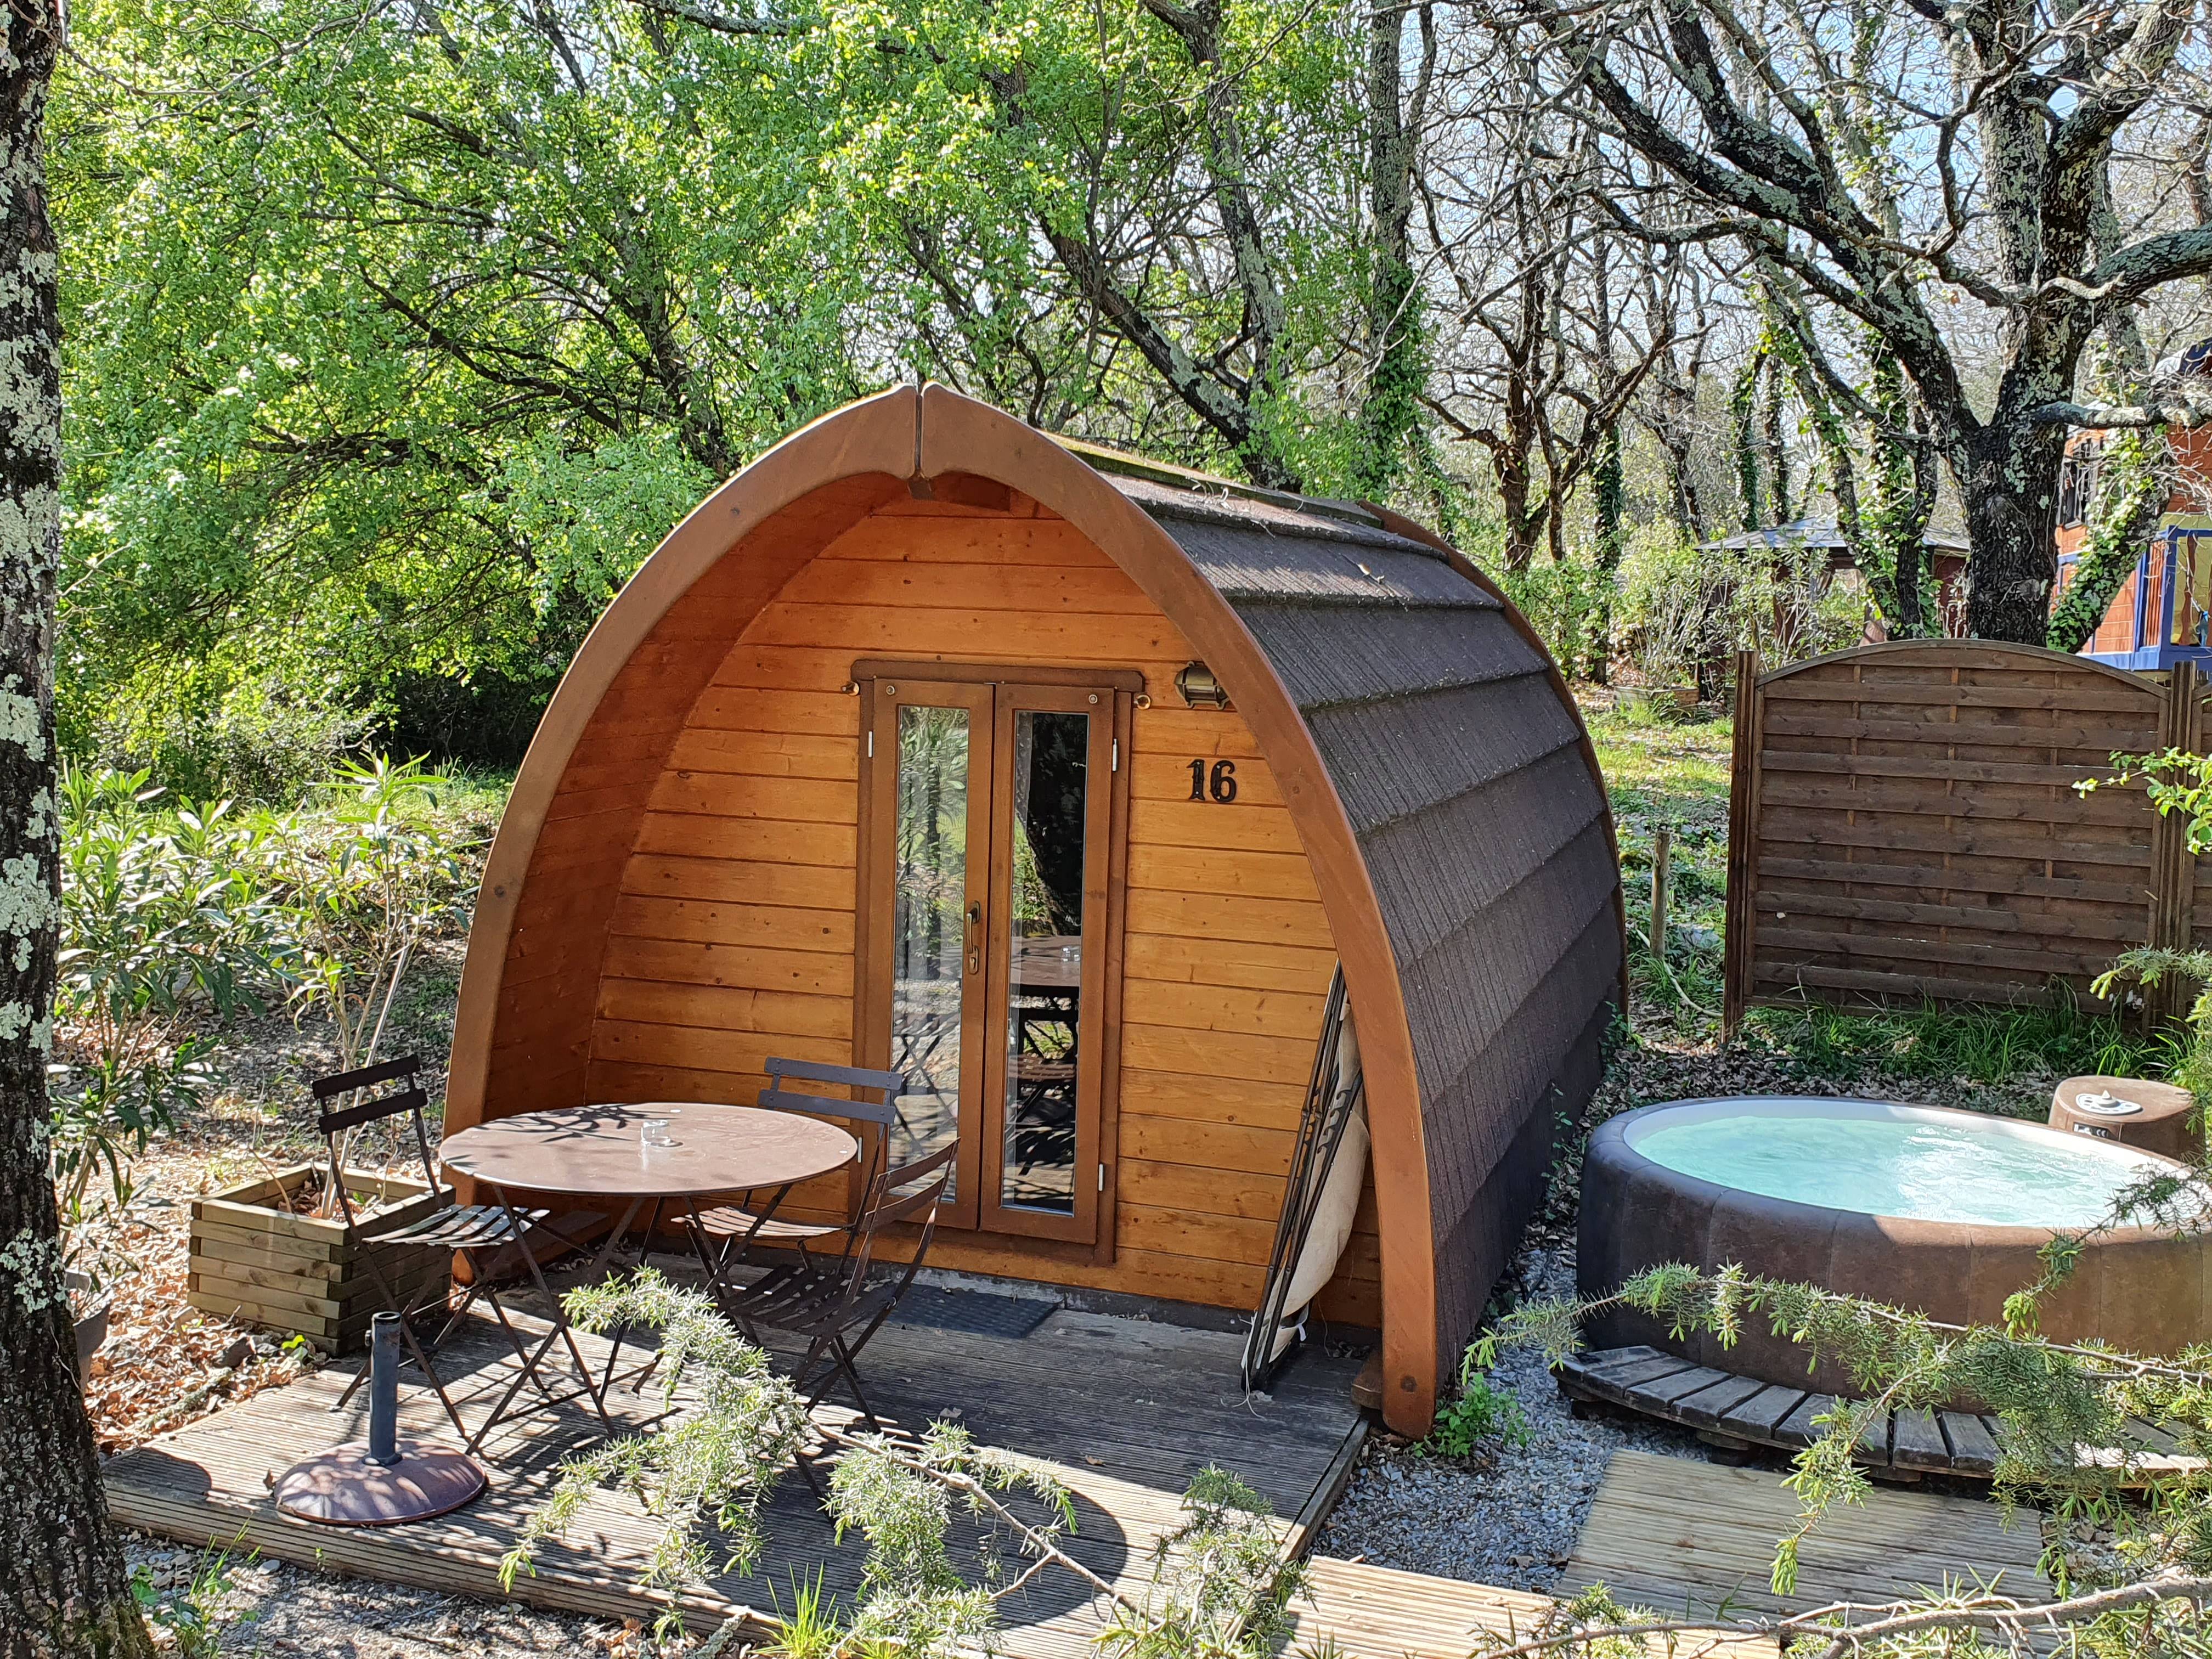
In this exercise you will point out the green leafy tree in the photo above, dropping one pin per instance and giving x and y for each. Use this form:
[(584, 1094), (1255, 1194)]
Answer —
[(397, 348)]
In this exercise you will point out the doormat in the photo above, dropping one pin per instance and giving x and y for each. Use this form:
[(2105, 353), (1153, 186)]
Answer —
[(974, 1313)]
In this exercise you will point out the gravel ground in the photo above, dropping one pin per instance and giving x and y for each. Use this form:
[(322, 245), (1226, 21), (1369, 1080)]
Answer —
[(1510, 1515), (206, 1602)]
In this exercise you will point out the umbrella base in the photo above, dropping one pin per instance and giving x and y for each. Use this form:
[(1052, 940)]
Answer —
[(342, 1488)]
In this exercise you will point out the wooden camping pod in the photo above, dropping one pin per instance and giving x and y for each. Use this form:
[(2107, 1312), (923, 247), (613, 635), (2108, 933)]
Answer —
[(692, 872)]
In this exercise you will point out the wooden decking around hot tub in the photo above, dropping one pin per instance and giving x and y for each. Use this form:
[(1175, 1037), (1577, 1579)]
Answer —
[(1725, 1407)]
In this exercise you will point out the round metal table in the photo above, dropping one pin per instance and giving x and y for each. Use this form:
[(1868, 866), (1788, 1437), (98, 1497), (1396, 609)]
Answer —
[(598, 1151)]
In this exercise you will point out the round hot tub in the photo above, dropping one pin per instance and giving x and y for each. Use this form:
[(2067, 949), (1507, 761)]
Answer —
[(1922, 1207)]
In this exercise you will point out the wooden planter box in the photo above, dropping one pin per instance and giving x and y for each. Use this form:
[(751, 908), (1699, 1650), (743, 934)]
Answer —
[(253, 1258)]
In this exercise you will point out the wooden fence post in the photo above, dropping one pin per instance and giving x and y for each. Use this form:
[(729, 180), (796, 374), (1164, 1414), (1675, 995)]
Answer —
[(2172, 866), (1736, 950), (1662, 859)]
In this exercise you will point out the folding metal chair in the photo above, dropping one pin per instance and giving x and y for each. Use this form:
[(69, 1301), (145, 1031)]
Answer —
[(824, 1302), (726, 1233), (465, 1229)]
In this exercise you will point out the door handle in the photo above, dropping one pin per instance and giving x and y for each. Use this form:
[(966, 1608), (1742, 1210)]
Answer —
[(976, 939)]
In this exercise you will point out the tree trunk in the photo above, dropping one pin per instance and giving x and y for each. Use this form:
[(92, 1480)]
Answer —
[(1904, 492), (1399, 370), (62, 1589), (2007, 474), (1743, 403), (1609, 486), (1515, 476), (1778, 444)]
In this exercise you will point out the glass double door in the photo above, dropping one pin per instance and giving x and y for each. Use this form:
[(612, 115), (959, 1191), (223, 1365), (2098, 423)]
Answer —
[(987, 821)]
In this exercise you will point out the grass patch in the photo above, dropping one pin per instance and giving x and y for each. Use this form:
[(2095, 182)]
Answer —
[(1992, 1046), (1662, 769)]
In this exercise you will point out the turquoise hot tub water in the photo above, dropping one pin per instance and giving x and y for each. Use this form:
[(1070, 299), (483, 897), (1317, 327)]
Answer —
[(1892, 1161)]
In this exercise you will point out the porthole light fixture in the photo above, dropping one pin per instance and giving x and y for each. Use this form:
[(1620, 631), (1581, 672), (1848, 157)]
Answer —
[(1199, 688)]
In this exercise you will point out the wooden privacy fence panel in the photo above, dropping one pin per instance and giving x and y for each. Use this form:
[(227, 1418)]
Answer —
[(1903, 825)]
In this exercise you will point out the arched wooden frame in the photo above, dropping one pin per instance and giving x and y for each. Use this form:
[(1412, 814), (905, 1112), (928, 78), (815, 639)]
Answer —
[(798, 496)]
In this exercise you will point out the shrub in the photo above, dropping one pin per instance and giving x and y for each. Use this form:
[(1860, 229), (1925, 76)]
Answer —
[(1563, 602), (259, 739), (370, 874), (1670, 604), (1481, 1412), (166, 917), (1682, 606)]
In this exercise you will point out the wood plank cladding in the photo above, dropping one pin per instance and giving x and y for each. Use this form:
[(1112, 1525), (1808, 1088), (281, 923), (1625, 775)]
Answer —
[(732, 936), (1904, 825)]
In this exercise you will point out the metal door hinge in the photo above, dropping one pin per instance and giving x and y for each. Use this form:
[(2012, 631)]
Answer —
[(1101, 1177), (871, 745), (1116, 766)]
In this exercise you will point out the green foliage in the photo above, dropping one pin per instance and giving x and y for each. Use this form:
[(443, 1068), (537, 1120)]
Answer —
[(1681, 604), (178, 915), (394, 348), (1596, 1609), (254, 738), (372, 872), (903, 1500), (2175, 780), (1669, 604), (1477, 1415), (1982, 1045), (722, 1459), (1220, 1587), (399, 348), (1565, 602), (165, 921), (191, 1620), (811, 1629)]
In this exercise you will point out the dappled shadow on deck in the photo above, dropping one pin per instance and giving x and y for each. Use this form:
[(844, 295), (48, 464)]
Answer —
[(1126, 1411)]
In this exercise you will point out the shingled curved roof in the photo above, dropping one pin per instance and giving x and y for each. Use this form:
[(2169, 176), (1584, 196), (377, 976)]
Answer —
[(1431, 758), (1478, 806)]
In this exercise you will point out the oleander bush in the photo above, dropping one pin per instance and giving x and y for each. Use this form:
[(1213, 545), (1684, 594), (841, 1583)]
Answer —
[(178, 916)]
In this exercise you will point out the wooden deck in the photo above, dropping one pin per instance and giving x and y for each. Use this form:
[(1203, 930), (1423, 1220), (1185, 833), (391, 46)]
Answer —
[(1367, 1612), (1682, 1537), (1126, 1410)]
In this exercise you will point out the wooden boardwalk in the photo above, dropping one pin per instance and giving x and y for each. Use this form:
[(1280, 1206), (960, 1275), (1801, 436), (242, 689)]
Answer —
[(1367, 1612), (1744, 1411), (1126, 1411), (1682, 1537), (1741, 1410)]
